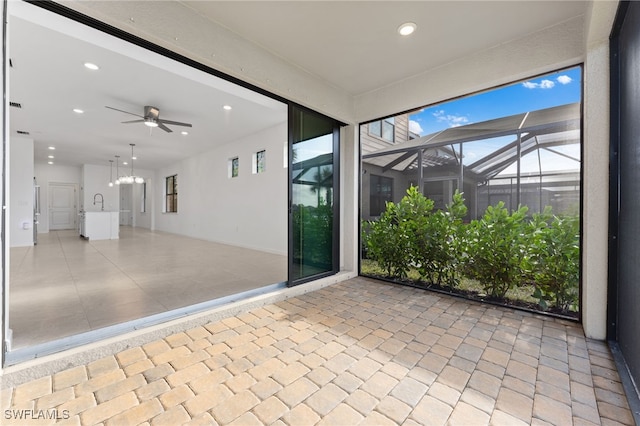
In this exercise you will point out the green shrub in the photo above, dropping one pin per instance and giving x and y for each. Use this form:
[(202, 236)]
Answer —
[(554, 262), (387, 242), (438, 246), (497, 249)]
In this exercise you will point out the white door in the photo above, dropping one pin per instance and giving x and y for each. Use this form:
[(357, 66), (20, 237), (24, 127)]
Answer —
[(126, 194), (62, 206)]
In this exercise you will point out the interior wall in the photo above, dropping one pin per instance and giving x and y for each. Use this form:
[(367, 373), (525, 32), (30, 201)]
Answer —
[(95, 180), (20, 215), (247, 211)]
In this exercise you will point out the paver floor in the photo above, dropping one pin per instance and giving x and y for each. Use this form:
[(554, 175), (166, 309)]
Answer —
[(360, 352)]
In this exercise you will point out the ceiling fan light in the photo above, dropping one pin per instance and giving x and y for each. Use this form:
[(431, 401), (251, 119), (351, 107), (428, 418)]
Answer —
[(150, 123)]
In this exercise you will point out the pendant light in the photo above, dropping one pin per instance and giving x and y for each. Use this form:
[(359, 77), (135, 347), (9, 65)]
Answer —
[(132, 178)]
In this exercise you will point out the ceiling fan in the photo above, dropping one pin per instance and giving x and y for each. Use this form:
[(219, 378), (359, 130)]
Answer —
[(152, 118)]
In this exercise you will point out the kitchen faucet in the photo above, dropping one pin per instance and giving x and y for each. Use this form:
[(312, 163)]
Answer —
[(101, 200)]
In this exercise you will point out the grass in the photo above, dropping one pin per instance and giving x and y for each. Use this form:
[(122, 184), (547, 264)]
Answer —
[(519, 296)]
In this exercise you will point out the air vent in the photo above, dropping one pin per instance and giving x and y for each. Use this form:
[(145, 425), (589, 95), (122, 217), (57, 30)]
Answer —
[(22, 132), (15, 104)]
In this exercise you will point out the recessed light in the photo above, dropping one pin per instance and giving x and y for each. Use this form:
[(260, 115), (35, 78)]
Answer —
[(125, 163), (92, 67), (51, 156), (134, 158), (407, 28), (184, 133), (52, 147), (227, 107), (78, 111), (50, 162)]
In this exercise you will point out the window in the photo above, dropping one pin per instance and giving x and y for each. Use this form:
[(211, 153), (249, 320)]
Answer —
[(381, 191), (259, 162), (233, 167), (384, 129), (172, 194)]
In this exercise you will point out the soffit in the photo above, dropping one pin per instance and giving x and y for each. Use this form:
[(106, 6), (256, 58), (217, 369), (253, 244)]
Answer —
[(354, 45)]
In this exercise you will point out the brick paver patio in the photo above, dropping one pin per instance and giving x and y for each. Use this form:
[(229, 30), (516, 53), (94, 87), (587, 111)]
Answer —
[(360, 352)]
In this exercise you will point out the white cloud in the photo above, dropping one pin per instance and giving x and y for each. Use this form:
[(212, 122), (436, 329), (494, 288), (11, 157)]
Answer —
[(564, 79), (415, 127), (450, 119), (547, 84), (544, 84)]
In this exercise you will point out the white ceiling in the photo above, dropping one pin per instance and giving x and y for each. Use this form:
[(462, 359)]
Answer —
[(49, 80), (351, 45), (354, 45)]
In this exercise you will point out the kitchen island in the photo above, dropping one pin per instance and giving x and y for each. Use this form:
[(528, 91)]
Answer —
[(100, 225)]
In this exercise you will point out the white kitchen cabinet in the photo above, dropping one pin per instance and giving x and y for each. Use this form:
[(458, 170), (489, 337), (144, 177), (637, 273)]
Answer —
[(101, 225)]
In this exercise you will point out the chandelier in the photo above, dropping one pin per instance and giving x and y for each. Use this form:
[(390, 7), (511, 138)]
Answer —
[(132, 178)]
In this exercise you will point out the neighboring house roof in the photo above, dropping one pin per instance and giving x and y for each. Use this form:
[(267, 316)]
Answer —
[(541, 129)]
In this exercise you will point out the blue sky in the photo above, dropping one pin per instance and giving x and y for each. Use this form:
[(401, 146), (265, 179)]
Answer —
[(543, 92)]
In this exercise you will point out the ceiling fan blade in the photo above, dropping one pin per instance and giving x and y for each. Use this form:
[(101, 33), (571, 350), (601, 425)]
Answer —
[(175, 123), (163, 127), (133, 121), (126, 112)]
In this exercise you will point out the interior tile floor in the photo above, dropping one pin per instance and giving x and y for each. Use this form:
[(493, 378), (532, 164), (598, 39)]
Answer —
[(359, 352), (67, 285)]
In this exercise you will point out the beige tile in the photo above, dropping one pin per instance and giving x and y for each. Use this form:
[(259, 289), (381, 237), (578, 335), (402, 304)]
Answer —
[(301, 415), (32, 390), (119, 388), (99, 382), (342, 414), (552, 411), (174, 416), (175, 396), (109, 409), (329, 357), (170, 355), (376, 419), (159, 372), (152, 390), (265, 388), (465, 414), (297, 391), (207, 400), (234, 407), (210, 380), (55, 399), (187, 375), (138, 414), (69, 377), (326, 399), (130, 356), (431, 411), (394, 409), (515, 404), (270, 410)]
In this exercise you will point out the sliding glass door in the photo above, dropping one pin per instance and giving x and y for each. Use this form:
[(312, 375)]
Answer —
[(313, 195)]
